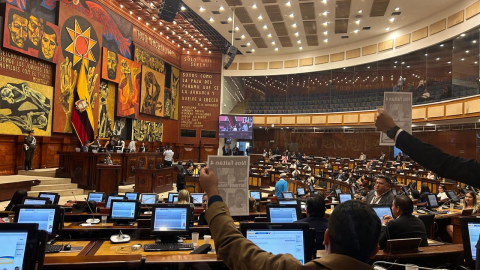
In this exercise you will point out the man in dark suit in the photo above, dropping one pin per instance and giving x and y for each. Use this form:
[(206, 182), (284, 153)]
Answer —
[(382, 193), (29, 146), (315, 207), (405, 226)]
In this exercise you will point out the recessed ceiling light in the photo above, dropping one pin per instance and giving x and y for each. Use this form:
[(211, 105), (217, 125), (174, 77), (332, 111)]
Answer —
[(408, 66), (236, 28), (294, 25), (202, 9), (147, 23), (276, 49), (253, 50), (288, 4), (476, 62), (449, 62), (324, 1), (463, 59), (183, 8), (462, 35), (467, 51), (229, 19), (387, 29), (265, 26), (296, 34), (426, 54), (211, 19), (139, 18), (260, 17), (438, 58), (254, 6), (392, 19), (355, 31), (248, 44), (325, 40), (325, 23), (299, 41), (474, 41), (397, 9), (301, 48), (243, 36), (121, 6), (273, 42), (291, 15), (222, 8), (357, 21), (131, 12), (360, 11), (325, 13), (269, 35), (325, 33)]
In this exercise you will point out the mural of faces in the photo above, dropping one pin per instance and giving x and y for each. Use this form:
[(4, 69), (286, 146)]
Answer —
[(112, 63), (35, 29), (48, 43), (18, 29)]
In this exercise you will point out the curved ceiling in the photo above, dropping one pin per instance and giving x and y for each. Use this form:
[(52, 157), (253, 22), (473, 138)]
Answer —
[(266, 27)]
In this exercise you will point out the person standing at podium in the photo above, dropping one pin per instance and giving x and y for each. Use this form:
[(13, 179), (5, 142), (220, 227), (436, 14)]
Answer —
[(168, 156), (29, 146)]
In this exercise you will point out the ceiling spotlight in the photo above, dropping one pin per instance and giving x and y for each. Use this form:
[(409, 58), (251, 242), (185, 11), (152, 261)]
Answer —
[(356, 31), (474, 41), (211, 19), (438, 58), (325, 33), (324, 1), (269, 35), (243, 36), (449, 62), (299, 41), (296, 34), (360, 11), (288, 4), (325, 23), (265, 26), (260, 17), (139, 18), (463, 59), (229, 19), (467, 51), (254, 6), (462, 35), (301, 48), (183, 8), (325, 40), (131, 12), (392, 19), (222, 8), (441, 45), (291, 15), (236, 28), (397, 9), (357, 21), (276, 49), (147, 23), (325, 13), (202, 9), (253, 50), (273, 42), (387, 29), (294, 25), (248, 44), (121, 6)]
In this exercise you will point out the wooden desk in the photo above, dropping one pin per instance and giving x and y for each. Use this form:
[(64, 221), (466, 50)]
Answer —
[(113, 262), (155, 180), (107, 248), (108, 177), (9, 188)]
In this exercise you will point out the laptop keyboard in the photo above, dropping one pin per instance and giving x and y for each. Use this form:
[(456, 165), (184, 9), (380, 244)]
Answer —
[(168, 246), (53, 248)]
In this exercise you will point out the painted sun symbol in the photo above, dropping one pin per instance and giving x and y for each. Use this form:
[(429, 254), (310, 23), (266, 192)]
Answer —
[(81, 46)]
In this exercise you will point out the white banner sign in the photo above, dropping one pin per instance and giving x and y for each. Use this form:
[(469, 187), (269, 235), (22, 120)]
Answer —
[(399, 106)]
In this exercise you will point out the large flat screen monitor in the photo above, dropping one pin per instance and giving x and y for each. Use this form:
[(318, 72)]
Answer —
[(170, 220), (132, 196), (149, 198), (96, 196), (48, 217), (22, 247), (257, 195), (236, 127), (113, 197), (283, 213), (54, 197), (281, 238), (345, 197), (36, 201), (197, 198), (470, 234), (123, 211)]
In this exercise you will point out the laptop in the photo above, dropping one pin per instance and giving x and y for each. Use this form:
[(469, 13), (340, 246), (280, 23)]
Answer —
[(452, 196), (382, 210), (343, 197), (283, 213), (470, 234), (257, 195), (432, 201), (287, 195)]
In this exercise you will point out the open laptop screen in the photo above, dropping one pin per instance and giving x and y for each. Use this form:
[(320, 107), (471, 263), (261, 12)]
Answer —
[(279, 241), (283, 214), (382, 210)]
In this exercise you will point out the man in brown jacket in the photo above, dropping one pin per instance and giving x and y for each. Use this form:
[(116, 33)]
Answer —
[(350, 240)]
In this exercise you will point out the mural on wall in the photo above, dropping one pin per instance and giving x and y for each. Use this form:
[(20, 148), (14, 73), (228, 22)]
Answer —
[(168, 102), (147, 131), (38, 8), (25, 106), (112, 65), (129, 75), (175, 87), (149, 60), (120, 127), (106, 109), (153, 97), (79, 43), (31, 35)]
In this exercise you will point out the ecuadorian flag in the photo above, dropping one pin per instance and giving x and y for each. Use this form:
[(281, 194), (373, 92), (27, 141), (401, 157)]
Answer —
[(82, 116)]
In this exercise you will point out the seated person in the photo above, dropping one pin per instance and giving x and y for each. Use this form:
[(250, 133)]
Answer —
[(190, 170), (470, 202), (296, 172), (278, 165), (265, 173), (340, 176), (197, 170), (281, 186), (431, 175), (17, 198), (315, 207), (108, 159), (442, 195), (252, 205), (350, 179), (424, 190), (351, 222), (85, 146), (201, 218), (284, 158), (405, 225), (382, 193), (142, 148), (184, 198), (307, 168)]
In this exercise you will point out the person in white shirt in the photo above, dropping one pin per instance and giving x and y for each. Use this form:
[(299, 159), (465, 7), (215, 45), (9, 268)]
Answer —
[(442, 195), (362, 156), (307, 168), (168, 153), (132, 147), (122, 144)]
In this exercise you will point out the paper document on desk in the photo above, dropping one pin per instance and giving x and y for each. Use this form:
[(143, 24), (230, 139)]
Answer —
[(232, 173), (399, 106)]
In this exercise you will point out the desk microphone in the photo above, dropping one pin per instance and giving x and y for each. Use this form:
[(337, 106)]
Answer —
[(92, 220), (447, 201), (120, 238), (149, 212), (75, 198)]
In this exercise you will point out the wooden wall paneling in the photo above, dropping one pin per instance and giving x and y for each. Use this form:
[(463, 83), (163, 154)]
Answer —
[(208, 151), (245, 66), (472, 106), (275, 65), (420, 34), (385, 45), (350, 118), (454, 109), (436, 111), (337, 57), (260, 65), (335, 119), (419, 113), (319, 119), (323, 59), (273, 120), (353, 53), (402, 40), (291, 63), (371, 49), (306, 62), (189, 152), (8, 155), (367, 117), (455, 19), (259, 120), (438, 27), (233, 66), (303, 120), (288, 120), (473, 10)]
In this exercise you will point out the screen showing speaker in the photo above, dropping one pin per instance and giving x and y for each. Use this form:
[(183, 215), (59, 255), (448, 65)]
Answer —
[(235, 127)]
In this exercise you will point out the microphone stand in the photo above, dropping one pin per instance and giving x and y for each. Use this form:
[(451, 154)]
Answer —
[(92, 220)]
